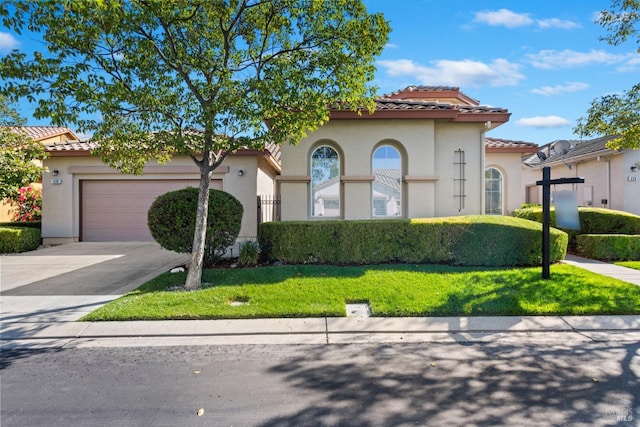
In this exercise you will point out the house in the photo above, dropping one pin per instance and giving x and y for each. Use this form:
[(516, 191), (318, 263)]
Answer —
[(85, 200), (612, 177), (503, 174), (421, 153), (45, 135)]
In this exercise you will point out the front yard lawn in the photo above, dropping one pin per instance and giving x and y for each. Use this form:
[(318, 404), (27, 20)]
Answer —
[(630, 264), (390, 290)]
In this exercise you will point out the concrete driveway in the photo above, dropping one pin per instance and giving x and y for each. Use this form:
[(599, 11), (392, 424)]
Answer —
[(63, 283)]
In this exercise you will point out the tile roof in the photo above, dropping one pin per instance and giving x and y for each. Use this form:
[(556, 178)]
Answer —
[(389, 177), (71, 146), (423, 88), (579, 148), (80, 146), (498, 143), (388, 104), (43, 132)]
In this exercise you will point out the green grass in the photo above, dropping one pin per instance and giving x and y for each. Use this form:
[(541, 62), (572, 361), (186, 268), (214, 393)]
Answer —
[(629, 264), (391, 290)]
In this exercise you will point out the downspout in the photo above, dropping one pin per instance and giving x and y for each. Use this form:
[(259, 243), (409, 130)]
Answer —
[(609, 183)]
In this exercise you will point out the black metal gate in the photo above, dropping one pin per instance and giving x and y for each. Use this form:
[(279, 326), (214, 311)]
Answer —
[(268, 208)]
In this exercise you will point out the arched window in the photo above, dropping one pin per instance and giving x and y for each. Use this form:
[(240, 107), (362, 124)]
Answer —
[(493, 191), (386, 197), (325, 182)]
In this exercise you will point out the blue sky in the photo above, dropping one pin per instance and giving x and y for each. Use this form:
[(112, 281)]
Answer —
[(541, 59)]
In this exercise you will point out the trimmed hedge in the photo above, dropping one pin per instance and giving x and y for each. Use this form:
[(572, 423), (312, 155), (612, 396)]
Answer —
[(592, 220), (610, 247), (31, 224), (467, 240), (19, 239)]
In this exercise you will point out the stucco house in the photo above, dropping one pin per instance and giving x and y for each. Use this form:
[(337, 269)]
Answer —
[(421, 153), (612, 177), (503, 174), (85, 200), (45, 135)]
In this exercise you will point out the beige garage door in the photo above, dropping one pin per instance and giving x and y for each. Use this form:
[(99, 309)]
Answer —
[(116, 211)]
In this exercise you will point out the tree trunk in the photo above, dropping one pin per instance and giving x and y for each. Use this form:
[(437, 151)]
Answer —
[(194, 273)]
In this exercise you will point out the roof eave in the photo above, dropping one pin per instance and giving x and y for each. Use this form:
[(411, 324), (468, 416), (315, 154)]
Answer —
[(454, 115)]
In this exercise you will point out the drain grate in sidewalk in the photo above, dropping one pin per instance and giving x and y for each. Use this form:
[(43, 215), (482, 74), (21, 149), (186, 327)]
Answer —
[(358, 310)]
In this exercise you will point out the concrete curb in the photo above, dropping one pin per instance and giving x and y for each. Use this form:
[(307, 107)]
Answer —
[(320, 331)]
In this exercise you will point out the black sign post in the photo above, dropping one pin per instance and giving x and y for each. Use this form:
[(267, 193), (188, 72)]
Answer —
[(546, 183)]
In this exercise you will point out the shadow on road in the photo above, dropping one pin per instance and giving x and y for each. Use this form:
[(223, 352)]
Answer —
[(499, 385)]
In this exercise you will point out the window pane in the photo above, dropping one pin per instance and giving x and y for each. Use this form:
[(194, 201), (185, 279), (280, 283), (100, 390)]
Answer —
[(493, 191), (387, 185), (325, 182)]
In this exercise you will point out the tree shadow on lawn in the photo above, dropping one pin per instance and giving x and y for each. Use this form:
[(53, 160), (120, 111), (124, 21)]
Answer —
[(482, 385)]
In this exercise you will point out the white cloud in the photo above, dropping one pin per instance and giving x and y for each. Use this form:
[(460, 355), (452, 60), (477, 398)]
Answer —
[(543, 122), (557, 23), (559, 89), (503, 17), (510, 19), (499, 72), (391, 46), (550, 59), (7, 42), (632, 65)]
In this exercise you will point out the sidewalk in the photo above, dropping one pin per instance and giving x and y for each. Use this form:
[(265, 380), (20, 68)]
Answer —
[(24, 332), (321, 331), (611, 270)]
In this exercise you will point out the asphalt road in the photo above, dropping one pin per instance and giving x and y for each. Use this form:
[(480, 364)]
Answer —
[(452, 384)]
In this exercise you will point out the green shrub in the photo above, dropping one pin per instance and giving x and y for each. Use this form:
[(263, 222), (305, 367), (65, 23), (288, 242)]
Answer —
[(610, 247), (172, 217), (592, 220), (31, 224), (468, 240), (19, 239), (249, 253)]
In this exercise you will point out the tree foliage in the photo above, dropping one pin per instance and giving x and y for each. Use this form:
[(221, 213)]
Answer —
[(18, 154), (617, 114), (142, 75)]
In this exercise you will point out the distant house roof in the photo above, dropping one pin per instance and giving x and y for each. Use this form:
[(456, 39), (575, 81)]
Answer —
[(580, 149), (428, 102), (497, 145), (390, 178)]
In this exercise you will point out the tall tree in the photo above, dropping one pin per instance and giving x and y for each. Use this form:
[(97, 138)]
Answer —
[(241, 72), (19, 154), (617, 113)]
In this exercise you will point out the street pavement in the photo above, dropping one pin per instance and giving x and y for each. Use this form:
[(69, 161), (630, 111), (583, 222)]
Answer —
[(44, 293)]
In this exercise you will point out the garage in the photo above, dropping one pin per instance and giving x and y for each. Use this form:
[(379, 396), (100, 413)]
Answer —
[(116, 210)]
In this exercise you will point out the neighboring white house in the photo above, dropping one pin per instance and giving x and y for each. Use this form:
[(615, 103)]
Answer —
[(612, 177), (421, 153)]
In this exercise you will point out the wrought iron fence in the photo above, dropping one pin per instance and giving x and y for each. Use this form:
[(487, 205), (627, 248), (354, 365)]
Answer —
[(268, 208)]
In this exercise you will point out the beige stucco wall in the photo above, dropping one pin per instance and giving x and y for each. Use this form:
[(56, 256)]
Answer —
[(427, 148), (61, 202), (509, 164), (606, 177)]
